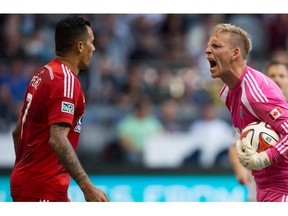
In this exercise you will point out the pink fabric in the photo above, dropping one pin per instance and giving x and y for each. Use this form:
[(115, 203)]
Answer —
[(257, 98), (268, 196)]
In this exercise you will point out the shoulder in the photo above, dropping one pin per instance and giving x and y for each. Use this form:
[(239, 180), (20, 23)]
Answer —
[(253, 77), (256, 86), (63, 81), (62, 73), (59, 69)]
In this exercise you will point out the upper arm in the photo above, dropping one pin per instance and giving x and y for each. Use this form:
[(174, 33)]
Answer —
[(63, 99), (17, 130), (58, 133), (16, 133)]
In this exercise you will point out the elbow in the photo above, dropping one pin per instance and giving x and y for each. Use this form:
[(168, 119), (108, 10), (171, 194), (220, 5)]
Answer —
[(15, 133)]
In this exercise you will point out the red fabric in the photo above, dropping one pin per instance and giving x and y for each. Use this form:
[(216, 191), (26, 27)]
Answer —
[(32, 199), (53, 96)]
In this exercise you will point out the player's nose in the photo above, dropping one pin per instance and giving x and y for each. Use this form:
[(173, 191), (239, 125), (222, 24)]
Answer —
[(208, 50)]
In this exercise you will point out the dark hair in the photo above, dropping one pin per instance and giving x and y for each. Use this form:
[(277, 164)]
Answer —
[(68, 32), (142, 101), (274, 62)]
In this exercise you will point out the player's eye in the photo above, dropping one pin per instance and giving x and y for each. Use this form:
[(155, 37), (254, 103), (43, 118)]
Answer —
[(215, 45)]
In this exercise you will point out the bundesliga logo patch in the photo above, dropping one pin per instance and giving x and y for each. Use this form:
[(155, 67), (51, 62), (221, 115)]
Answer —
[(275, 113), (67, 107)]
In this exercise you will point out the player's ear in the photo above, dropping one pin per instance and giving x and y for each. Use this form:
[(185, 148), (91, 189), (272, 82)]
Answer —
[(236, 52), (80, 46)]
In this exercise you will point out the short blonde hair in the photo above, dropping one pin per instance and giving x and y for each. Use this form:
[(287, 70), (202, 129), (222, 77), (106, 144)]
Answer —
[(240, 37)]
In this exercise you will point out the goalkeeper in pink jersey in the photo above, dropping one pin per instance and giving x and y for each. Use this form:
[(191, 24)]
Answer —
[(278, 72), (251, 96)]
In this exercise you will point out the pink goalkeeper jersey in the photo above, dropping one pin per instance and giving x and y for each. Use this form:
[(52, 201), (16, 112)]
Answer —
[(256, 97)]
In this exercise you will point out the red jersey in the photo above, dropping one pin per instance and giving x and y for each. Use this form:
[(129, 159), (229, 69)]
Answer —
[(54, 95)]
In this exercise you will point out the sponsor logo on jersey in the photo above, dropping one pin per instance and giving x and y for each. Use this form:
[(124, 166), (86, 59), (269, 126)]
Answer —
[(67, 107), (275, 113), (78, 125)]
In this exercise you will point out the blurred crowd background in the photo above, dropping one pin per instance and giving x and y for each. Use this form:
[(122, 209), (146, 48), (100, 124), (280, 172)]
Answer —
[(150, 100)]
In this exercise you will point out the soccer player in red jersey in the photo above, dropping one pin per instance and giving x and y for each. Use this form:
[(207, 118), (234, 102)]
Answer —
[(48, 129)]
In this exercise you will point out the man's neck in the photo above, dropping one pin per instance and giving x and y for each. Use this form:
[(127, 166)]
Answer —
[(68, 62)]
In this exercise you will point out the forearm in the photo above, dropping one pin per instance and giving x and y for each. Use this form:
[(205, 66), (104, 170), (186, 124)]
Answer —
[(68, 157), (279, 152)]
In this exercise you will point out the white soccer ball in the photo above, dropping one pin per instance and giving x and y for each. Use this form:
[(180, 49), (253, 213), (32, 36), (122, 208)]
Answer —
[(260, 135)]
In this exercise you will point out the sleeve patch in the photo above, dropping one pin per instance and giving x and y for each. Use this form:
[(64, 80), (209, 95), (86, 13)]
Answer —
[(275, 113), (67, 107)]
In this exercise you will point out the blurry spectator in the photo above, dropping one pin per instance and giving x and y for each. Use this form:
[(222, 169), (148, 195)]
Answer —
[(172, 34), (277, 26), (173, 24), (278, 71), (111, 41), (168, 115), (175, 55), (212, 135), (136, 128), (213, 87), (107, 68), (280, 55), (161, 89), (5, 108), (133, 87), (40, 44), (148, 44), (16, 80), (106, 79), (10, 44), (141, 23), (147, 49)]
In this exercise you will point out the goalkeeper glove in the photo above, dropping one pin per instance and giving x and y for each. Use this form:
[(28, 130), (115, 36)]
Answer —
[(249, 158)]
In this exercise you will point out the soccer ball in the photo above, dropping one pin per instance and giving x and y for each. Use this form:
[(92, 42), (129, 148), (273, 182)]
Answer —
[(260, 135)]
